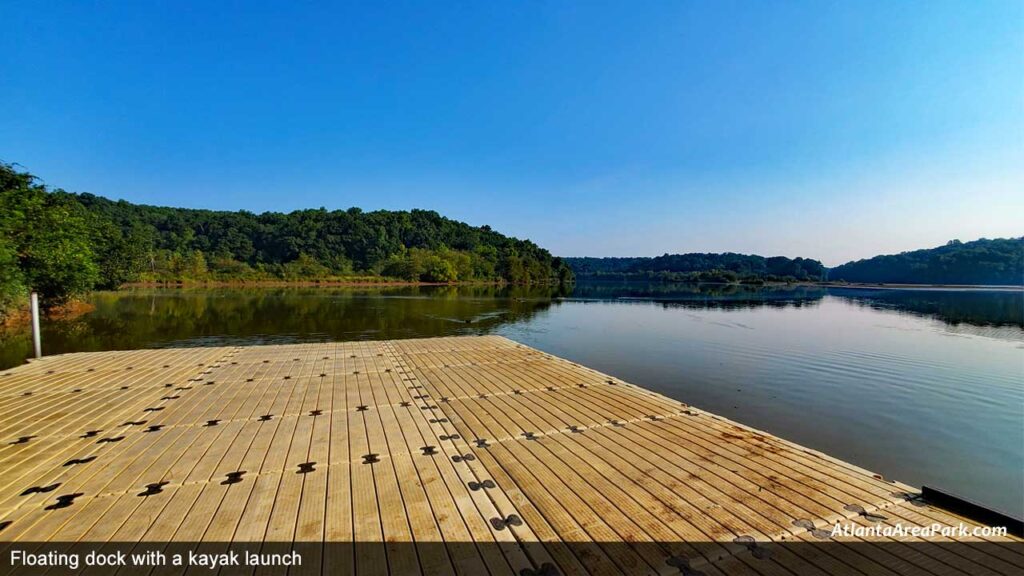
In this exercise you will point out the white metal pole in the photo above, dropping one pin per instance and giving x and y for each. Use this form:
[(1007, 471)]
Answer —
[(36, 341)]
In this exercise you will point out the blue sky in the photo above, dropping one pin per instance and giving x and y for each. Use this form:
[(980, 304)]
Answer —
[(832, 130)]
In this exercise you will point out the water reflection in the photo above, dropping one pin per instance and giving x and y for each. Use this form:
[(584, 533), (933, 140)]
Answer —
[(194, 317), (982, 308), (189, 317), (974, 307)]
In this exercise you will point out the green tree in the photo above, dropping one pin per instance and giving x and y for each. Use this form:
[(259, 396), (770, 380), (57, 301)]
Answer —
[(49, 236), (437, 269)]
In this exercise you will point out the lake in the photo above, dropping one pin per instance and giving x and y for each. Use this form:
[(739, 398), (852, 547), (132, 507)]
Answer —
[(923, 386)]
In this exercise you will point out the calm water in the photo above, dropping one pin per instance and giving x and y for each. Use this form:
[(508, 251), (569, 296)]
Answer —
[(924, 386)]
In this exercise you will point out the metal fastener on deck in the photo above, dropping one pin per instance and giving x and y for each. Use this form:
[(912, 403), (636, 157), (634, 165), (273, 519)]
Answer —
[(510, 520), (63, 501), (110, 440), (474, 485), (40, 489), (153, 488)]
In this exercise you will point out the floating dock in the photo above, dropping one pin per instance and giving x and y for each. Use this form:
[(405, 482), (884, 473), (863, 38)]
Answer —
[(465, 455)]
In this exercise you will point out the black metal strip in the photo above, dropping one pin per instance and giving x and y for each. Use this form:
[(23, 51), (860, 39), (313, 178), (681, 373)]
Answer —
[(972, 510)]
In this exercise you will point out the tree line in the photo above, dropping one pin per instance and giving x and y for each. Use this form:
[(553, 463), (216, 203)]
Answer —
[(986, 261), (701, 267), (981, 262), (63, 244)]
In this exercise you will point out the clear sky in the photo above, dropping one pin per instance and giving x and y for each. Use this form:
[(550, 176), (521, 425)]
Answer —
[(832, 130)]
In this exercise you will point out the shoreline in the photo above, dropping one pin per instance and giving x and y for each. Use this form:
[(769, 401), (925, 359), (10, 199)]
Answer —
[(825, 284), (297, 283), (884, 286), (20, 318)]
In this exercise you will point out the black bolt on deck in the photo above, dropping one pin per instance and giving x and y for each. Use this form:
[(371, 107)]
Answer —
[(306, 468), (91, 434), (265, 418), (809, 526), (233, 477), (211, 423), (154, 428), (759, 552), (63, 501), (371, 458), (549, 569), (153, 488), (474, 485), (75, 461), (466, 457), (110, 440), (429, 450), (683, 564), (40, 489), (21, 440), (510, 520), (915, 499), (316, 412), (860, 511)]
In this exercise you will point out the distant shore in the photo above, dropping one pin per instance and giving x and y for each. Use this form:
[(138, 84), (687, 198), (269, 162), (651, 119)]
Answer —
[(370, 283), (297, 283), (1003, 287)]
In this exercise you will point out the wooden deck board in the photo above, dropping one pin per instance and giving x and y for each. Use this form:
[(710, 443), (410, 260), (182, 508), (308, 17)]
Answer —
[(431, 448)]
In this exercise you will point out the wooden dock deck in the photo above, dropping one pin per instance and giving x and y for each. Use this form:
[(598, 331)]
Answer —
[(488, 456)]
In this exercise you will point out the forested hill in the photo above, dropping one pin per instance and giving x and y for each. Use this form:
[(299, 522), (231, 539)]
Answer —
[(726, 267), (995, 262), (62, 244)]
